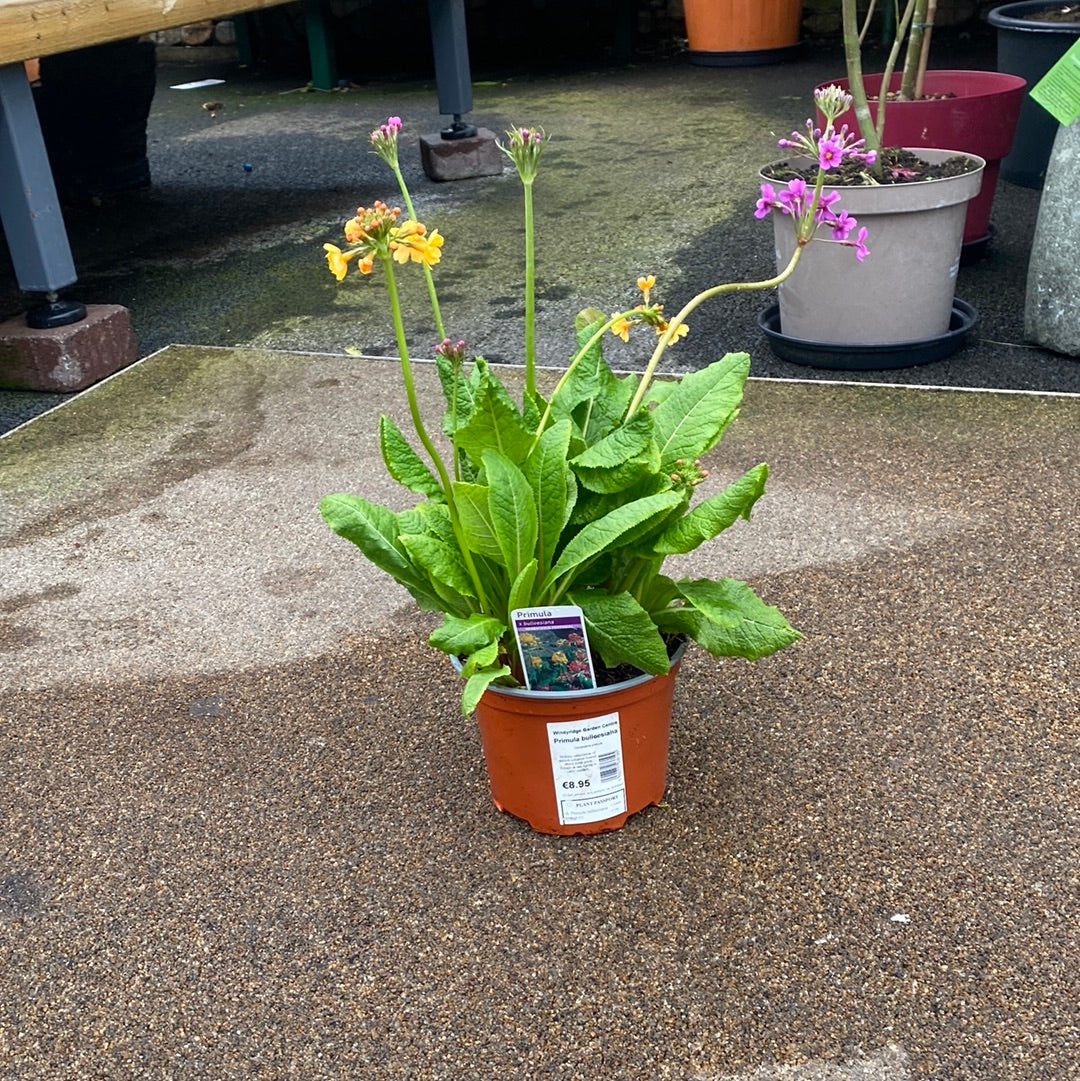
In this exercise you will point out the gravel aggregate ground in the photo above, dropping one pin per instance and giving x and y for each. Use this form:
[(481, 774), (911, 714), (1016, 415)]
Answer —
[(247, 835)]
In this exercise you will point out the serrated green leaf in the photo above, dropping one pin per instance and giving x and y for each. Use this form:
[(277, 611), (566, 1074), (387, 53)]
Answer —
[(462, 637), (713, 515), (590, 386), (553, 487), (593, 505), (513, 511), (736, 621), (375, 531), (621, 458), (403, 463), (620, 526), (659, 389), (587, 322), (621, 631), (690, 420), (433, 518), (442, 562), (474, 514), (477, 684), (494, 424)]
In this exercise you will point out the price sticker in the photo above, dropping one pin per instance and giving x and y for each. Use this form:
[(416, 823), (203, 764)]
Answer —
[(587, 767)]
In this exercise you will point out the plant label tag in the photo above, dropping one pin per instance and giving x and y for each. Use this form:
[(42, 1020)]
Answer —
[(554, 648), (1058, 91), (587, 765)]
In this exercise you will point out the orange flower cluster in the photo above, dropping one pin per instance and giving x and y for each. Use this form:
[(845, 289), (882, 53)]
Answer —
[(374, 231)]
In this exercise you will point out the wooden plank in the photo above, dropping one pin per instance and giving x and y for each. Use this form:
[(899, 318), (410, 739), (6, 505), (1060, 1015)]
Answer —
[(30, 28)]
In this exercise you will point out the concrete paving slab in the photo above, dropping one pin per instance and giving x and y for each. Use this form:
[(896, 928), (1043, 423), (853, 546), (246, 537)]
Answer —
[(248, 836)]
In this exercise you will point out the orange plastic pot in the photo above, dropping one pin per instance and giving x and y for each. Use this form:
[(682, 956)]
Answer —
[(578, 762), (731, 33)]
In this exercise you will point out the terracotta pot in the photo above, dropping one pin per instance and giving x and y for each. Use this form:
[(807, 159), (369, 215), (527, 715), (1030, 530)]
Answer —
[(736, 33), (904, 289), (1029, 47), (578, 761), (979, 117)]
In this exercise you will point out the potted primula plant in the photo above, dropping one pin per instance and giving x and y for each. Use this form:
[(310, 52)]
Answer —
[(544, 519)]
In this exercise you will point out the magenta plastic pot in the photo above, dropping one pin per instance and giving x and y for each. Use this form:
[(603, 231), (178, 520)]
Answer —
[(978, 118)]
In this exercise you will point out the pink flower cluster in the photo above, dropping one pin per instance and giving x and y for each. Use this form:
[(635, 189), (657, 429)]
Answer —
[(797, 199)]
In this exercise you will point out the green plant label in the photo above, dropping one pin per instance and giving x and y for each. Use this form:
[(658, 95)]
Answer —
[(1058, 91)]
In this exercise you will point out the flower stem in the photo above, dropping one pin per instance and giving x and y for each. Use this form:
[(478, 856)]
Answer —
[(421, 431), (530, 293), (669, 335), (433, 296)]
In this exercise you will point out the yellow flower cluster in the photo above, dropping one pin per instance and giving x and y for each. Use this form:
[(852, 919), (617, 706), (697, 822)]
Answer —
[(647, 313), (374, 231)]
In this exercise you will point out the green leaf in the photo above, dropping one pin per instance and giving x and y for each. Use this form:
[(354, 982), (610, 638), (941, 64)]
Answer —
[(620, 458), (659, 389), (403, 463), (590, 386), (374, 530), (513, 511), (462, 637), (474, 513), (620, 526), (693, 417), (621, 631), (736, 622), (482, 659), (442, 561), (714, 515), (477, 684), (494, 424), (553, 487), (430, 518), (592, 505), (522, 593)]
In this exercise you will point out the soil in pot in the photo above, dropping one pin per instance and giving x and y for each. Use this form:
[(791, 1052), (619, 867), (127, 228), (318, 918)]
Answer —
[(895, 165)]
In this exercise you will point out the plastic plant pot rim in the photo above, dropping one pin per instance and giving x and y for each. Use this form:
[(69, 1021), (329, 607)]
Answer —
[(1013, 17), (591, 692)]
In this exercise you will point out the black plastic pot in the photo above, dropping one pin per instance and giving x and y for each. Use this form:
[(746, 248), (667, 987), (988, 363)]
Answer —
[(1030, 48)]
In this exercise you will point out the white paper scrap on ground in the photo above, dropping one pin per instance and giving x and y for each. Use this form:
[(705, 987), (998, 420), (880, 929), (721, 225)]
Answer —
[(586, 762), (196, 85)]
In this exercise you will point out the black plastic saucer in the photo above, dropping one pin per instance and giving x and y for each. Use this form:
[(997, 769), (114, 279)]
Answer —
[(868, 358)]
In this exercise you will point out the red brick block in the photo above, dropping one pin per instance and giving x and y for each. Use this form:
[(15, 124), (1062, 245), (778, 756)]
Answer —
[(66, 358), (461, 159)]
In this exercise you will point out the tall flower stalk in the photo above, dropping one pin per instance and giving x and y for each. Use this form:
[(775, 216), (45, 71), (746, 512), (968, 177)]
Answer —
[(384, 139), (523, 147)]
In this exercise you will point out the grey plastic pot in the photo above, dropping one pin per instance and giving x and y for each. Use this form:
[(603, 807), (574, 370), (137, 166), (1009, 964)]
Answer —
[(1030, 47), (903, 290)]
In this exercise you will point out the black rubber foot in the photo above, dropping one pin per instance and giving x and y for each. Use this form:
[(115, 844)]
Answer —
[(55, 313)]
